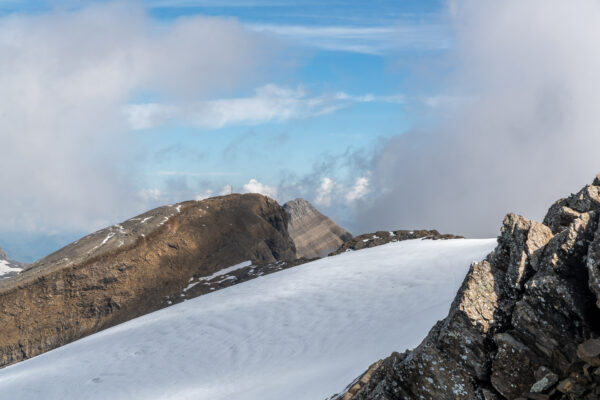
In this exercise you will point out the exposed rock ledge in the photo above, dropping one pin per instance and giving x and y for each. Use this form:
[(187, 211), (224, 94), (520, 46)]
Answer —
[(378, 238), (524, 323)]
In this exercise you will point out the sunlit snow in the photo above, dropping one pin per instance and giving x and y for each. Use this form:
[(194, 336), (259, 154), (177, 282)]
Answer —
[(5, 268)]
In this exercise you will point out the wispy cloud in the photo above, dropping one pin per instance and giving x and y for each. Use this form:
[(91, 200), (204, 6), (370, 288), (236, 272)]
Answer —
[(196, 174), (270, 103), (211, 3), (377, 40)]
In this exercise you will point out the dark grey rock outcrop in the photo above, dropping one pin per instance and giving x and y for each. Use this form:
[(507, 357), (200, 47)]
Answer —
[(379, 238), (524, 324)]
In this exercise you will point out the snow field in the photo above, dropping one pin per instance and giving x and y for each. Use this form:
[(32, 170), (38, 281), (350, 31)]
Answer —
[(303, 333)]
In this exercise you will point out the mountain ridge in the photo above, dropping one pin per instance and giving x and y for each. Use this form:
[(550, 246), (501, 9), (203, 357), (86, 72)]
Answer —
[(135, 267)]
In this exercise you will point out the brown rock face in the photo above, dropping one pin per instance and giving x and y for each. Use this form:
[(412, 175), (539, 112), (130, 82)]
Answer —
[(134, 268), (525, 323), (314, 234)]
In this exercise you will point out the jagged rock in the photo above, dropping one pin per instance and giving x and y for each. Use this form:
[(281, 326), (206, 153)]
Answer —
[(593, 266), (379, 238), (134, 268), (537, 396), (589, 351), (314, 234), (522, 241), (562, 213), (570, 386), (545, 383), (530, 304), (513, 366)]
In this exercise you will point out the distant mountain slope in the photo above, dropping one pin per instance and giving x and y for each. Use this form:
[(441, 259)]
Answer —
[(314, 234), (136, 267), (9, 268), (299, 334)]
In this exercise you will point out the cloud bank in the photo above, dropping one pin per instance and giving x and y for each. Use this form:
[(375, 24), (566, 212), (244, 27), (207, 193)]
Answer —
[(526, 131), (64, 79)]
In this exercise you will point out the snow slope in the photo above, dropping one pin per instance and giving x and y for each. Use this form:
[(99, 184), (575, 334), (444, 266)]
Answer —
[(6, 267), (302, 333)]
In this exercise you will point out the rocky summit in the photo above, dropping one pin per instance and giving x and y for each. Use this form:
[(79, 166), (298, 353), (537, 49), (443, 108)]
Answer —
[(525, 323), (136, 267), (314, 234)]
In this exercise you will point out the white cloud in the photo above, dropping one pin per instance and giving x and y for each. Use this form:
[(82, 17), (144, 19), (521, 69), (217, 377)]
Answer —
[(145, 116), (64, 79), (324, 192), (204, 195), (196, 174), (331, 192), (526, 135), (150, 194), (254, 186), (359, 190), (270, 103), (225, 190)]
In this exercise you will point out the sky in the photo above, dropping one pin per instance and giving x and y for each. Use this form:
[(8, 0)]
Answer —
[(384, 114)]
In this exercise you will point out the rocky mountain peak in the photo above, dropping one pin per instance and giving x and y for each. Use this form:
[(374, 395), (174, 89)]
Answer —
[(314, 234), (524, 324)]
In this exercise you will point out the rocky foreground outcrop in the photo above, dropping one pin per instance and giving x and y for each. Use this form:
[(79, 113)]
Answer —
[(314, 234), (524, 325), (137, 267), (379, 238)]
